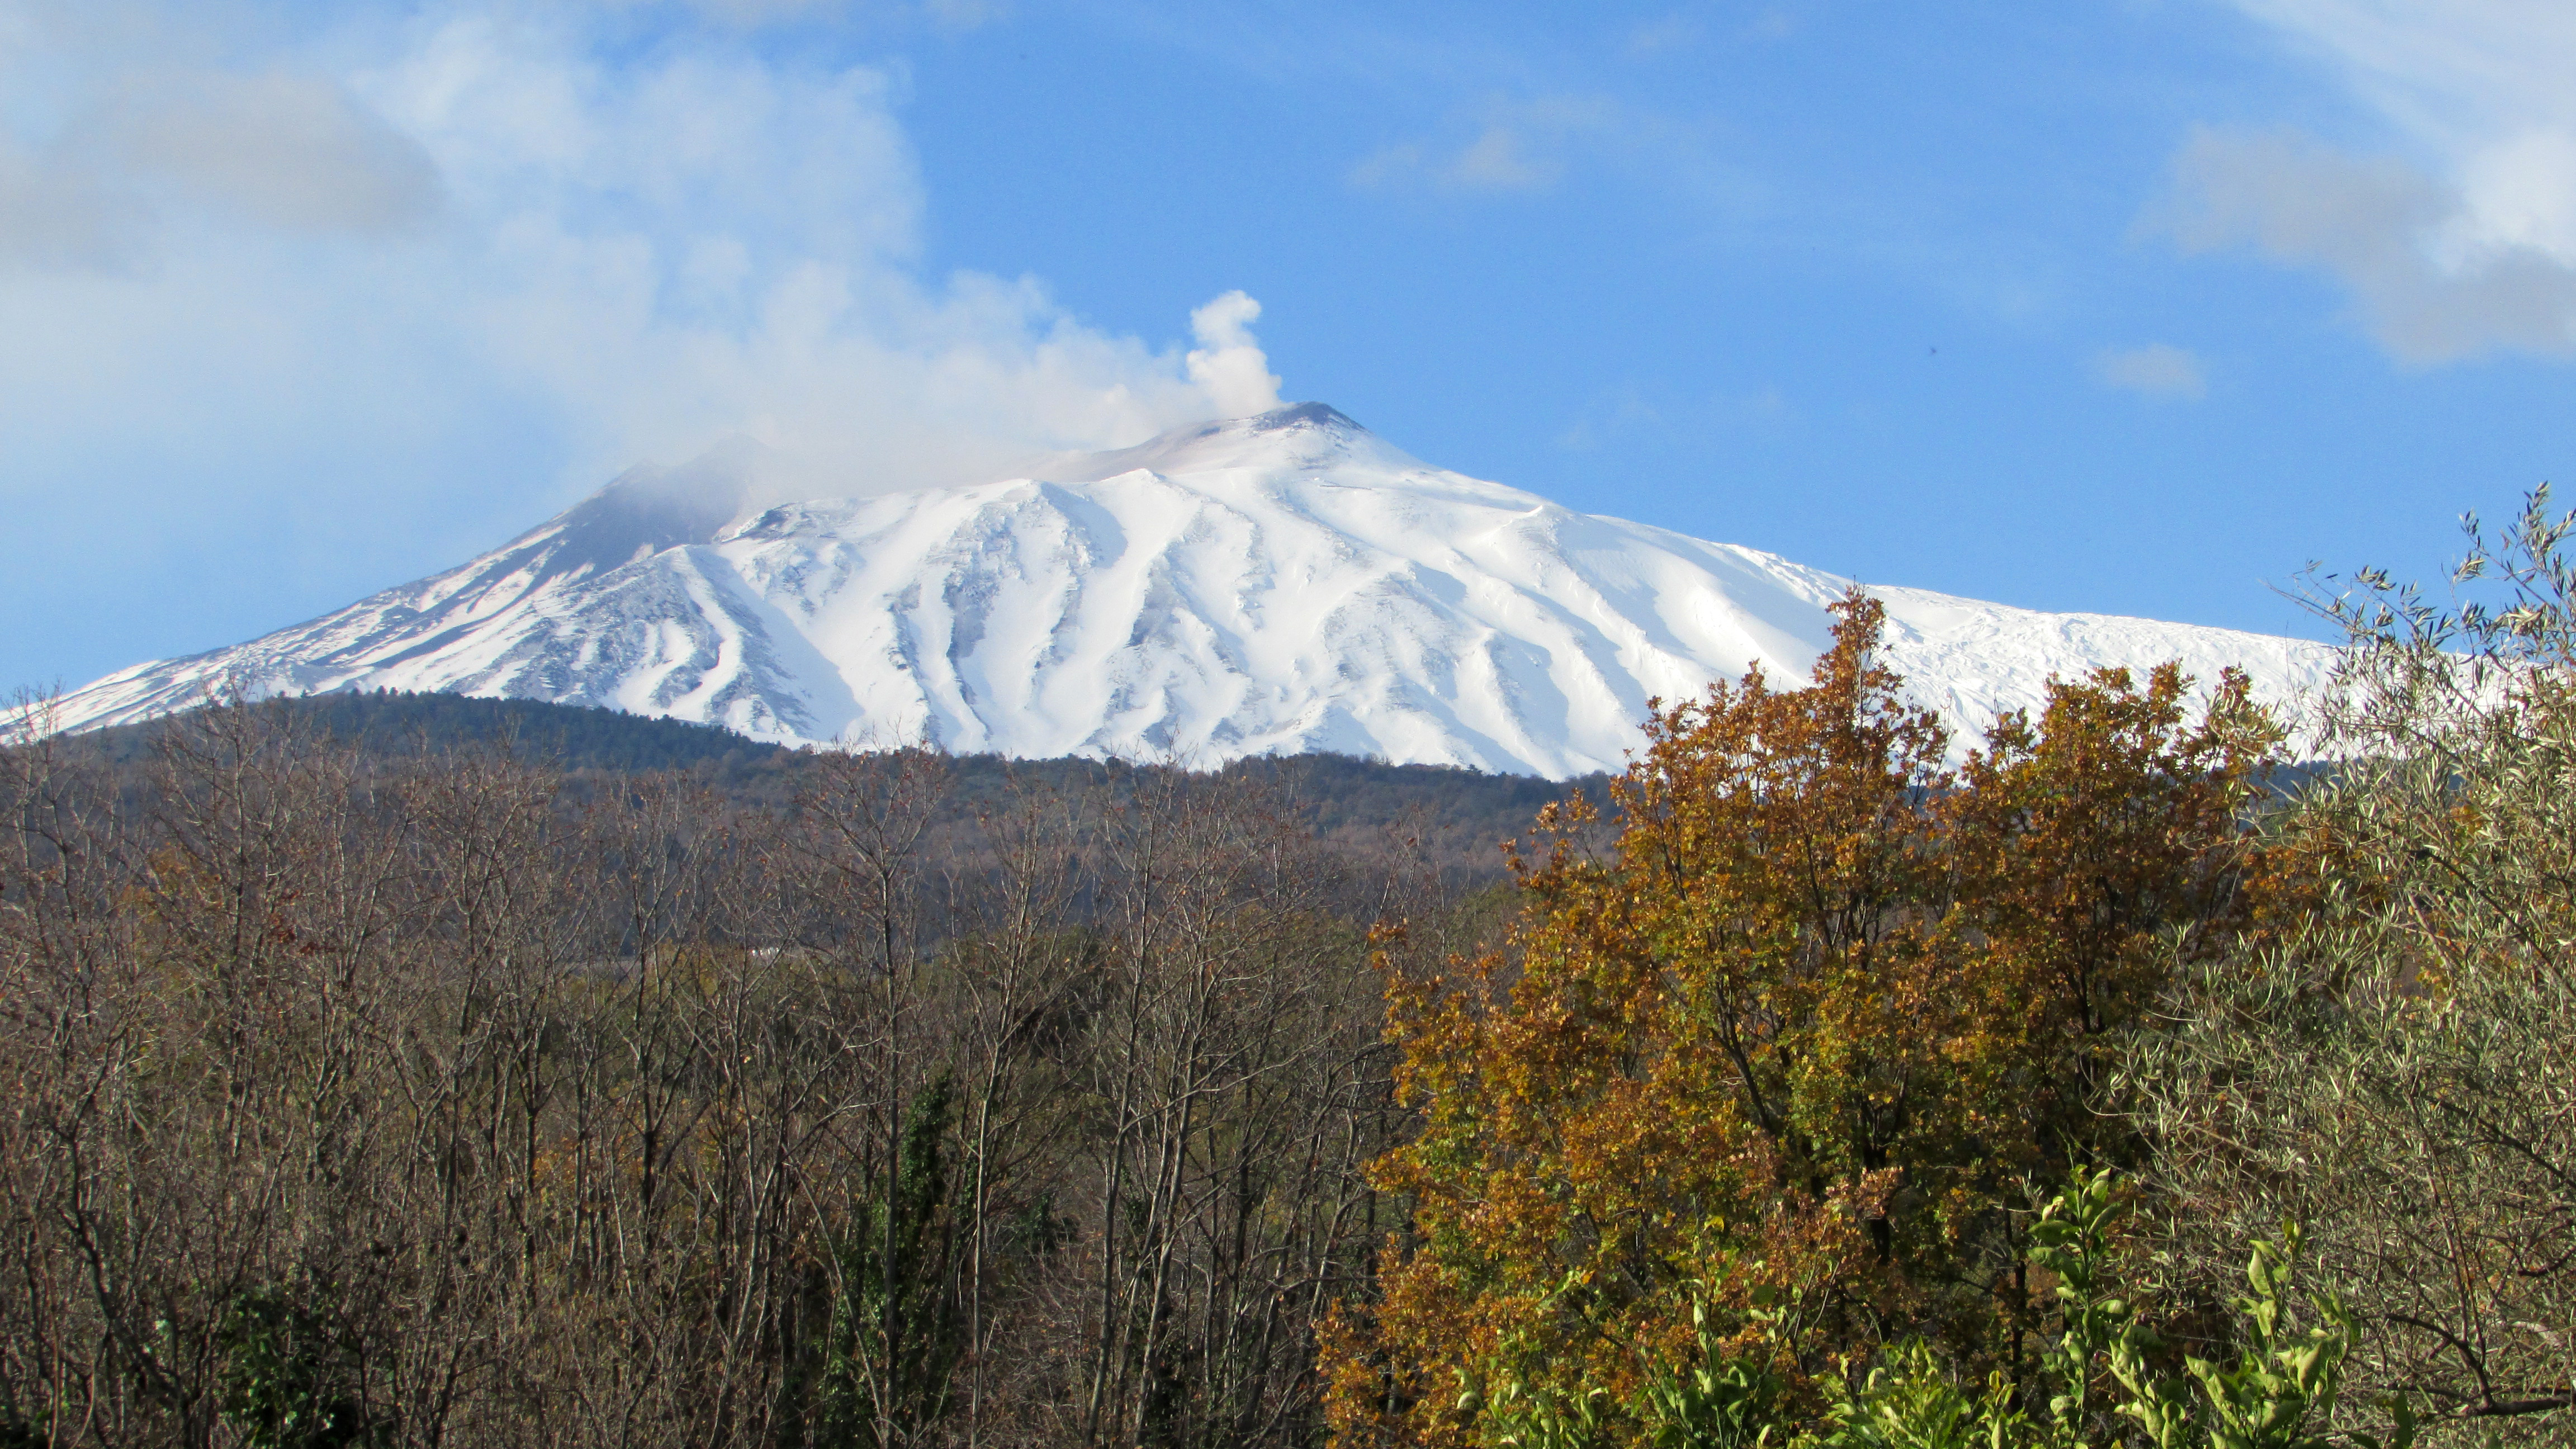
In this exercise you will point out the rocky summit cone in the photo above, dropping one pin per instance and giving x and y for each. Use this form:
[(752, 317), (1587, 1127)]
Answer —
[(1273, 584)]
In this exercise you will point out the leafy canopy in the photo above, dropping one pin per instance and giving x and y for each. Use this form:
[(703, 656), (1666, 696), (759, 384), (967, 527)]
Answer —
[(1771, 1071)]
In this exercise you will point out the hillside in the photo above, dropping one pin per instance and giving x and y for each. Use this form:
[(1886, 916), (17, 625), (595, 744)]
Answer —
[(1455, 817)]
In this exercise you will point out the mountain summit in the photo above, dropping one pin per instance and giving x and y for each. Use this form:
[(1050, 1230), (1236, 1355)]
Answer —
[(1272, 584)]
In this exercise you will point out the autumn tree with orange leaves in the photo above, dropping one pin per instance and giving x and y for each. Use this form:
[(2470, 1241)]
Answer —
[(1786, 1063)]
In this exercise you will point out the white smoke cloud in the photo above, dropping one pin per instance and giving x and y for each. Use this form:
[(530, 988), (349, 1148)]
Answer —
[(1227, 364), (2461, 238)]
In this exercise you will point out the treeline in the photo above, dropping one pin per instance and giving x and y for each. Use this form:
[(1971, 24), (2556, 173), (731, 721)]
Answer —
[(407, 724), (1453, 818)]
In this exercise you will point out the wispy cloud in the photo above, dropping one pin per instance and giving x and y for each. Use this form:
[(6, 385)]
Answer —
[(761, 14), (2158, 370), (1677, 31), (1509, 146), (2460, 236), (1609, 416)]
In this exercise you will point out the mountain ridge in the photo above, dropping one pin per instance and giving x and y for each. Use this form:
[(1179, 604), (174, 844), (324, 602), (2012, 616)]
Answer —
[(1278, 584)]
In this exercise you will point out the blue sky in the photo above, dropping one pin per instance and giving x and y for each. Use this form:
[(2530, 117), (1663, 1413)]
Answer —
[(2132, 307)]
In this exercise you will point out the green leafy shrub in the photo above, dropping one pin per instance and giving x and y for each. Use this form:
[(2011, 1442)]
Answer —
[(289, 1382), (2103, 1372)]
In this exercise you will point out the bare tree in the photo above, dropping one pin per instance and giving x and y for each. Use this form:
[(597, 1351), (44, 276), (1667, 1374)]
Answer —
[(447, 1100)]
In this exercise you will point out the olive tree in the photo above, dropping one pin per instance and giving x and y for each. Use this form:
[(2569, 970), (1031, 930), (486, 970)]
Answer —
[(2392, 1061)]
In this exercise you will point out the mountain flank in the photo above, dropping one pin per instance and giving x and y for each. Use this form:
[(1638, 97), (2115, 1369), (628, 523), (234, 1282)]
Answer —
[(1286, 584)]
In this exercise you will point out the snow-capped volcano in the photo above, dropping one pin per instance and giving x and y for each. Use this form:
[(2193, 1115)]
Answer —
[(1273, 584)]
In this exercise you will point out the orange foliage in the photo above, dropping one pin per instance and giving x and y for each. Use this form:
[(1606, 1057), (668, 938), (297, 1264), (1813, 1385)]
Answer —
[(1801, 1040)]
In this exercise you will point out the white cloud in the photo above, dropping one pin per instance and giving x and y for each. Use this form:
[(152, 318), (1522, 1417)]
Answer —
[(2462, 237), (2158, 370), (1512, 146), (496, 219)]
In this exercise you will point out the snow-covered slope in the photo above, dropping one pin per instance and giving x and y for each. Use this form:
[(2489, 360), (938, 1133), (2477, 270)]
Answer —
[(1280, 583)]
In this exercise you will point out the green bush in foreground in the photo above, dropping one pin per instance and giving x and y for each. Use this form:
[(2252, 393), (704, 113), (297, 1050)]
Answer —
[(2111, 1383)]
